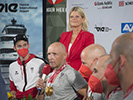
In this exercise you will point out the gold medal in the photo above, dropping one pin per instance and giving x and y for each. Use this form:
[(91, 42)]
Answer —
[(49, 91), (49, 88)]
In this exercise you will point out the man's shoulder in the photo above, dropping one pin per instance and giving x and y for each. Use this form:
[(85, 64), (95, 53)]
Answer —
[(69, 68), (39, 60), (129, 97), (14, 63), (70, 71), (117, 95)]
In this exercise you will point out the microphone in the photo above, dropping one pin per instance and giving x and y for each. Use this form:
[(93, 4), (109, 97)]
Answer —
[(46, 70)]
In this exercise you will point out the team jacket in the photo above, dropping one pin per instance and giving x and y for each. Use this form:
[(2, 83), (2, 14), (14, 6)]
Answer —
[(24, 75)]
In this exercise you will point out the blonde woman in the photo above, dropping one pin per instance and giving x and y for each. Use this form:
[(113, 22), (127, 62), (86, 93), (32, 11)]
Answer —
[(77, 38)]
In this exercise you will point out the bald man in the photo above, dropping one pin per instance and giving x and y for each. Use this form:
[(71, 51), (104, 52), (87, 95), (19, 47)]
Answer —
[(64, 82), (121, 65), (89, 56), (99, 84)]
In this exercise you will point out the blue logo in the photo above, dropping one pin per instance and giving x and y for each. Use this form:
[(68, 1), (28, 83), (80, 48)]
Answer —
[(126, 27)]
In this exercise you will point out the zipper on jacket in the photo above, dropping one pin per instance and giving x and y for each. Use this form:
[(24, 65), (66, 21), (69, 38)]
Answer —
[(25, 77)]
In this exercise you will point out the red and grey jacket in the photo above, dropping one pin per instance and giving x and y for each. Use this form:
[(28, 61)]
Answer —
[(23, 76)]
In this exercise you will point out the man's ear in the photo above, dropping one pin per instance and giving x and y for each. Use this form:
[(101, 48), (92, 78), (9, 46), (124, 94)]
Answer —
[(65, 55), (95, 60), (122, 61), (14, 48), (28, 45)]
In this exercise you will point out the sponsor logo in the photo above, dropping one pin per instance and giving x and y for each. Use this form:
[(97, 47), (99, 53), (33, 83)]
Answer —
[(8, 7), (129, 3), (102, 29), (55, 1), (103, 4), (32, 69), (62, 74), (126, 27), (125, 3), (16, 72), (121, 3), (14, 7), (56, 9)]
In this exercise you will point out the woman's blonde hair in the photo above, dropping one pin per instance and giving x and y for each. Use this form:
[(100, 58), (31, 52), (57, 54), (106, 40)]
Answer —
[(83, 15)]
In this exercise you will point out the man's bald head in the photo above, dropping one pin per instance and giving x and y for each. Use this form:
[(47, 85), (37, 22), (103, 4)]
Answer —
[(90, 53), (94, 50), (58, 45), (123, 45)]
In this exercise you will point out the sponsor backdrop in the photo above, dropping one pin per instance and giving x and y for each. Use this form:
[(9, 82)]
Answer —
[(107, 18), (55, 20)]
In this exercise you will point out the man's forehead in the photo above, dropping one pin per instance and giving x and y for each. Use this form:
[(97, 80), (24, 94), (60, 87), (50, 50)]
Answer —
[(53, 50), (52, 47), (21, 42)]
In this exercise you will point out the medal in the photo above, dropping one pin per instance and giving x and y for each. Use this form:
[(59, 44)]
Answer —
[(49, 88), (49, 91)]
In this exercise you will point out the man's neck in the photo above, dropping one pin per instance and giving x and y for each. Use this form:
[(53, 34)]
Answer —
[(126, 83), (109, 89), (59, 67), (24, 58)]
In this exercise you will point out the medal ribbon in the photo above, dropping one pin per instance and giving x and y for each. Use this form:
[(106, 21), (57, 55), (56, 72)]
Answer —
[(113, 92), (55, 73), (128, 91)]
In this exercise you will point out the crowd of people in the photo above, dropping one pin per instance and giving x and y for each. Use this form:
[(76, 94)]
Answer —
[(108, 75), (80, 69)]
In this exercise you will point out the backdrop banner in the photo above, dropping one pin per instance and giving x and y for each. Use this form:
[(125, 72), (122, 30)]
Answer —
[(55, 20), (107, 18)]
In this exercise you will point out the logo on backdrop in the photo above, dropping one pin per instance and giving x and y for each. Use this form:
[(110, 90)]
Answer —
[(55, 1), (121, 3), (102, 29), (103, 4), (125, 3), (16, 7), (8, 7), (126, 27)]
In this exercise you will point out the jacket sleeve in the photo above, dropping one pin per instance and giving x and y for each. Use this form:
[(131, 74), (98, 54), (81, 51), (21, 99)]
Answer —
[(12, 86)]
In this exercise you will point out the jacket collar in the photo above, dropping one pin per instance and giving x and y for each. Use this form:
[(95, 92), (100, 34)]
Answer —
[(26, 61)]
